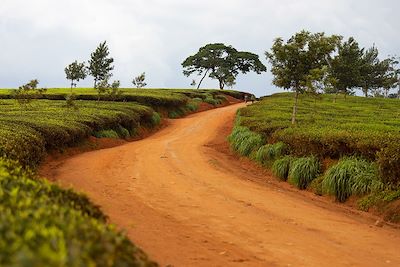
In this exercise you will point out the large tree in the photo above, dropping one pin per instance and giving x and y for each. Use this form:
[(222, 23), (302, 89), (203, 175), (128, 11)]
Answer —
[(298, 59), (75, 72), (100, 64), (221, 62), (345, 67)]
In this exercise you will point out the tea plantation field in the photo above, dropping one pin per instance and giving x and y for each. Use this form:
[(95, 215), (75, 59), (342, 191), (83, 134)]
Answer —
[(343, 148), (42, 224)]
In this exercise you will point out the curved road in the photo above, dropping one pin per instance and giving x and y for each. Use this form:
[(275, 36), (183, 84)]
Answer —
[(186, 204)]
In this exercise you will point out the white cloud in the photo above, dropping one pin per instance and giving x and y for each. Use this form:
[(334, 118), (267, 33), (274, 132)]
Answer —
[(40, 37)]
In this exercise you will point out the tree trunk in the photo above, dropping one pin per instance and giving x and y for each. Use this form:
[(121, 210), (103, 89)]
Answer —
[(95, 83), (365, 89), (221, 84), (296, 98), (205, 74)]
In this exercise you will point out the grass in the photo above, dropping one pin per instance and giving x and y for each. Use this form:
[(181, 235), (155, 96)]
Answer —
[(281, 167), (351, 176), (270, 152), (244, 141), (303, 171)]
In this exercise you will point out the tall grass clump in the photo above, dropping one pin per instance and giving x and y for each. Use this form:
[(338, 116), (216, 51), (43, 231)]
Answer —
[(270, 152), (351, 176), (245, 141), (155, 119), (303, 171), (106, 134), (281, 167)]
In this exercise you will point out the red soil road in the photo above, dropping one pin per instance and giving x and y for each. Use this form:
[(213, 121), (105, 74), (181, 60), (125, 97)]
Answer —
[(187, 204)]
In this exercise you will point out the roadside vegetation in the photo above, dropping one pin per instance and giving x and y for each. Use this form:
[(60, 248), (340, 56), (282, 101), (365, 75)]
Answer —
[(348, 148), (42, 224)]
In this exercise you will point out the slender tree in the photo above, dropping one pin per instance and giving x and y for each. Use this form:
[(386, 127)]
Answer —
[(100, 64), (221, 62), (75, 72), (139, 81), (296, 61)]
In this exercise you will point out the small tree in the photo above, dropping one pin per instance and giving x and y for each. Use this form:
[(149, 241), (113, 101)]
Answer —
[(114, 92), (345, 67), (75, 72), (100, 64), (221, 62), (139, 81), (293, 61), (27, 92)]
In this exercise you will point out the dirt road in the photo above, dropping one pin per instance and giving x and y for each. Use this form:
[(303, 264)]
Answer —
[(187, 204)]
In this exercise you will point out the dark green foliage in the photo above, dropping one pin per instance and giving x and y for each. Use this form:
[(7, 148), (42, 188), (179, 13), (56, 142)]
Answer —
[(389, 163), (351, 176), (221, 62), (281, 167), (44, 225), (303, 171)]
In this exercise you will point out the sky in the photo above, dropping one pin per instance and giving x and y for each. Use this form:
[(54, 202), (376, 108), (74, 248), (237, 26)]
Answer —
[(39, 38)]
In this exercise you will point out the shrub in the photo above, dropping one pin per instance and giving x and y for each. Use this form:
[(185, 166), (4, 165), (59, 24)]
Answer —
[(281, 167), (389, 163), (44, 225), (351, 176), (122, 132), (303, 171), (107, 134)]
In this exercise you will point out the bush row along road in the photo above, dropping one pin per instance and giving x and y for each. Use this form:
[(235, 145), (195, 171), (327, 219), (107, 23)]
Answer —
[(187, 204)]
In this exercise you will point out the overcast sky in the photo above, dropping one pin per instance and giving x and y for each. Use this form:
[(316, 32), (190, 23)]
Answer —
[(40, 37)]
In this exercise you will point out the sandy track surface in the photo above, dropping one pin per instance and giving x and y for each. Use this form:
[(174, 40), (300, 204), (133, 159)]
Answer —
[(187, 204)]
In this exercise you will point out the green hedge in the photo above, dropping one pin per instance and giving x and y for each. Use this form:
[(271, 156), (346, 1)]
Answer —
[(26, 134)]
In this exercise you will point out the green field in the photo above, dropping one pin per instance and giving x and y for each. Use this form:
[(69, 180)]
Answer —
[(157, 98), (44, 225), (363, 134)]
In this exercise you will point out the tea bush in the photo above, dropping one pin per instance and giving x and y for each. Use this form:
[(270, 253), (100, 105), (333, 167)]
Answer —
[(44, 225)]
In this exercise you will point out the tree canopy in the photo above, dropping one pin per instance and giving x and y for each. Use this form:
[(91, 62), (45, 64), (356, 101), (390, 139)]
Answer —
[(75, 72), (221, 62), (300, 60)]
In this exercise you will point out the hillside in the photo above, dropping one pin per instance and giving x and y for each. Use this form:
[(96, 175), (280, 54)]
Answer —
[(346, 147)]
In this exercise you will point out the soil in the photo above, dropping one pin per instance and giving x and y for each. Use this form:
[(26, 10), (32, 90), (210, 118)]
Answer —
[(182, 196)]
